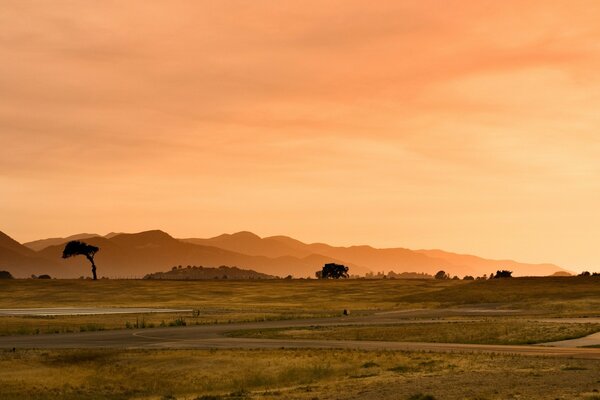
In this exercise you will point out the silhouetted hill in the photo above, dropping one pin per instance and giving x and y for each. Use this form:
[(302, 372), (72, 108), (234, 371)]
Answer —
[(365, 258), (11, 244), (254, 245), (21, 261), (488, 266), (135, 255), (197, 273), (41, 244)]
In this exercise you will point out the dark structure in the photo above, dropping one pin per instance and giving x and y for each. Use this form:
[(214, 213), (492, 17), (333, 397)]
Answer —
[(77, 248), (333, 271)]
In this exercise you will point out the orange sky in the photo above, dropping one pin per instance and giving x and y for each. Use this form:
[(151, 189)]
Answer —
[(470, 126)]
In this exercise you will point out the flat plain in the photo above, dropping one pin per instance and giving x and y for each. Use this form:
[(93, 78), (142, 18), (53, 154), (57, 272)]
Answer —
[(499, 312)]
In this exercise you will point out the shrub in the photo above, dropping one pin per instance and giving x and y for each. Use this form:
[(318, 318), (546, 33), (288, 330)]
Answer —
[(6, 275)]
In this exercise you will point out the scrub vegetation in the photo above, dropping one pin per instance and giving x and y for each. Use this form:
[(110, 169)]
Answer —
[(289, 374)]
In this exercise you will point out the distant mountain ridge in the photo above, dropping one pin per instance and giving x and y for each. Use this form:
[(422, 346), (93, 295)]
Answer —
[(386, 259), (138, 254), (41, 244)]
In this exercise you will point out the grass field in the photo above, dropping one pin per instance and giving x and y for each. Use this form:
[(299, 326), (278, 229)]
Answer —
[(229, 301), (304, 374), (290, 374), (491, 331)]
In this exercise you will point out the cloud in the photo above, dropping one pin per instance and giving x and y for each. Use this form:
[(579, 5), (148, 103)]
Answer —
[(419, 114)]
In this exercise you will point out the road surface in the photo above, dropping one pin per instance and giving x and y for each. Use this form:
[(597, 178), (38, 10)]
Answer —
[(84, 311), (214, 336)]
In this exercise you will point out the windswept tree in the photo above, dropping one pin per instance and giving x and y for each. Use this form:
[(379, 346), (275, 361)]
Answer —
[(77, 248)]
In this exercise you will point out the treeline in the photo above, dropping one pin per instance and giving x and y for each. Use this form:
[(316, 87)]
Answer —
[(193, 272), (396, 275)]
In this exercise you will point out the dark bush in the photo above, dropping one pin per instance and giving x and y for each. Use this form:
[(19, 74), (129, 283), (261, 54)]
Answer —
[(6, 275)]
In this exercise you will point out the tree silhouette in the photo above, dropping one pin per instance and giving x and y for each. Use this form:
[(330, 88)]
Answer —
[(77, 248), (333, 270), (5, 275), (502, 274), (442, 275)]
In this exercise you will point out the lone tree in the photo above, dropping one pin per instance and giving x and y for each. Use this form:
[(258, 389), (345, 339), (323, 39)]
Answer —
[(502, 274), (442, 275), (77, 248), (333, 271), (5, 275)]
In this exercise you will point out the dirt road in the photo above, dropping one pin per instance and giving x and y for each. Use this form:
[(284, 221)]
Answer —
[(213, 336)]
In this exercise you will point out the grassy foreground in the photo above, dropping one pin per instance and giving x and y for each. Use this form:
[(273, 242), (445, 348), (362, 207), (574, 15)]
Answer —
[(228, 301), (289, 374), (492, 331)]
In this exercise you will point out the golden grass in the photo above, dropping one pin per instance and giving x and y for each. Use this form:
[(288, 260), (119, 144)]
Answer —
[(490, 331), (235, 301), (216, 294), (288, 374)]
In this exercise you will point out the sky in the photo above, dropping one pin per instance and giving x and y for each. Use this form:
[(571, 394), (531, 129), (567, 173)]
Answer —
[(470, 126)]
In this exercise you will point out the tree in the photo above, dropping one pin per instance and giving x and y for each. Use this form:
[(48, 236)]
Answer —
[(442, 275), (77, 248), (468, 278), (5, 275), (502, 274), (333, 271)]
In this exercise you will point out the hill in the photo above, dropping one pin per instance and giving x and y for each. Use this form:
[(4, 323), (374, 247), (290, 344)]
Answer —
[(135, 255), (396, 259), (21, 261), (138, 254), (198, 273), (482, 264), (41, 244)]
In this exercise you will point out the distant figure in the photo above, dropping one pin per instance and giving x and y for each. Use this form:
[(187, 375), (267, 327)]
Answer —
[(346, 312), (77, 248)]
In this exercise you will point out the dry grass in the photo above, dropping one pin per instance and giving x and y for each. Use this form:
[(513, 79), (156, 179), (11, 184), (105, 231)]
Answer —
[(235, 301), (288, 374), (490, 331)]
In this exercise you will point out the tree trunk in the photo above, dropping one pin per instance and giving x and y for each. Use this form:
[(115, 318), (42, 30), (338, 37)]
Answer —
[(93, 268)]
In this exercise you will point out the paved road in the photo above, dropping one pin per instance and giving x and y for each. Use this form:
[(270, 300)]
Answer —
[(84, 311), (213, 336)]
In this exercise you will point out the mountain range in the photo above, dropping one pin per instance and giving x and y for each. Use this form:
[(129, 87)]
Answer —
[(135, 255)]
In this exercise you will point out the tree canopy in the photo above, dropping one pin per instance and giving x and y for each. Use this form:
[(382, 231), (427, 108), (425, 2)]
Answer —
[(5, 275), (442, 275), (78, 248), (333, 271), (502, 274)]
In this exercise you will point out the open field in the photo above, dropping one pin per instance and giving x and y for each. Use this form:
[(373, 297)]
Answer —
[(290, 374), (286, 357), (235, 301), (491, 331)]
